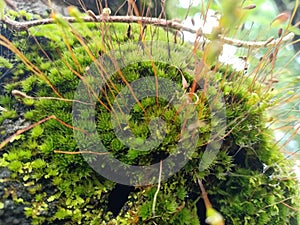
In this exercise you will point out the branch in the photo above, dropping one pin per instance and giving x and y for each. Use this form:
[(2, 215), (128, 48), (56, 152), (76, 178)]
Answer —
[(80, 152), (22, 95), (259, 44), (158, 188), (23, 26)]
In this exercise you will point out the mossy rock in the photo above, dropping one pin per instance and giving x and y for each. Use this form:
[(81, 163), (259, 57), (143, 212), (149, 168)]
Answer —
[(247, 181)]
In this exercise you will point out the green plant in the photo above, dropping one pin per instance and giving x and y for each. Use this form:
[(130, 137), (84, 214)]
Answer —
[(249, 181)]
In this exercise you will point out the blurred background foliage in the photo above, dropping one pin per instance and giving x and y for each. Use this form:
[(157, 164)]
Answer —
[(257, 26)]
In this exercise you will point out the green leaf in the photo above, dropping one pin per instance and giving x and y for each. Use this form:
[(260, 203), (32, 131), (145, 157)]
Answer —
[(63, 213), (38, 164)]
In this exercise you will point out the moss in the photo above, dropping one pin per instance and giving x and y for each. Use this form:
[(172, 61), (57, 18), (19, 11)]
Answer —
[(9, 114), (6, 100), (66, 187), (5, 63)]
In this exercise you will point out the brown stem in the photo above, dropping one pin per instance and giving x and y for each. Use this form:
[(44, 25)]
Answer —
[(204, 194)]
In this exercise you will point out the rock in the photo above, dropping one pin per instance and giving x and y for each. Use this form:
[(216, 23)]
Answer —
[(4, 173)]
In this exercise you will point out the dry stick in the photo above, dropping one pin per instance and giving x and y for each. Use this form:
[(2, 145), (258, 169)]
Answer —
[(23, 26), (158, 188), (21, 94), (204, 194), (80, 152), (290, 207)]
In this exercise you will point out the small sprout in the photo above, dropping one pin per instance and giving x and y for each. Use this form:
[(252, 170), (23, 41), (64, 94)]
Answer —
[(251, 6), (19, 94), (280, 19), (279, 32), (193, 21), (92, 14), (184, 82), (213, 217), (106, 11)]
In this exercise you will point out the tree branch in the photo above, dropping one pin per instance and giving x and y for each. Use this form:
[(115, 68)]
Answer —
[(23, 26)]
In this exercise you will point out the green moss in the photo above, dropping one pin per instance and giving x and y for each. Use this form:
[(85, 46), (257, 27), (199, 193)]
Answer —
[(68, 189), (5, 63), (9, 114), (6, 100)]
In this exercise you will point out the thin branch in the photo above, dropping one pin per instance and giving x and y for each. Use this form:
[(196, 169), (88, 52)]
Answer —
[(158, 188), (290, 207), (23, 26), (258, 44), (19, 94), (80, 152), (204, 194)]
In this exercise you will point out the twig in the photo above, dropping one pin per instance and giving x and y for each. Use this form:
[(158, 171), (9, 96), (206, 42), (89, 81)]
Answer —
[(80, 152), (204, 194), (290, 207), (158, 188), (258, 44), (20, 94), (23, 26)]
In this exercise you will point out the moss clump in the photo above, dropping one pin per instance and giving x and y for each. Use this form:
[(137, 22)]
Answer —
[(245, 180)]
